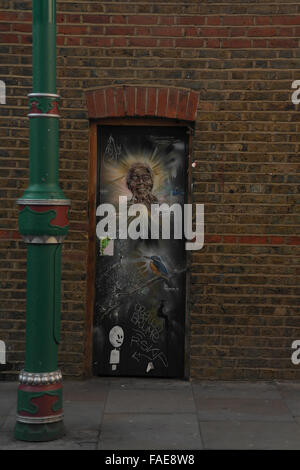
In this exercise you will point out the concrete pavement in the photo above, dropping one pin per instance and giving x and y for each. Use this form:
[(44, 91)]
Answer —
[(121, 413)]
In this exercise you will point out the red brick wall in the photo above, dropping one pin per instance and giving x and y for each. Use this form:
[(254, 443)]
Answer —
[(241, 57)]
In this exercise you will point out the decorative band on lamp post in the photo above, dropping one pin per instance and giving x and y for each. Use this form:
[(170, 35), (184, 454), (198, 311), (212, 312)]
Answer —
[(43, 224)]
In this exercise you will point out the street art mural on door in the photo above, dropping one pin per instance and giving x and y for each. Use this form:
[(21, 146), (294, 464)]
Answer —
[(139, 314)]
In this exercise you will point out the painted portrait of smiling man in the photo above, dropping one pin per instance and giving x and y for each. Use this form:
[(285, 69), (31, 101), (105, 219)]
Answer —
[(140, 180)]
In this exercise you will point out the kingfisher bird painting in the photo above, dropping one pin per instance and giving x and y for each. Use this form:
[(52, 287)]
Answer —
[(158, 268)]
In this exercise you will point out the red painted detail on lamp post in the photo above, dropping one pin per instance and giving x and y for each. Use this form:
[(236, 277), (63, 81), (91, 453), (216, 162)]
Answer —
[(61, 219), (43, 398)]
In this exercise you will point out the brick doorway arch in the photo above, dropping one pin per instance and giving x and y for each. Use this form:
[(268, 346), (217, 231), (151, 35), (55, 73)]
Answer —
[(142, 101), (128, 105)]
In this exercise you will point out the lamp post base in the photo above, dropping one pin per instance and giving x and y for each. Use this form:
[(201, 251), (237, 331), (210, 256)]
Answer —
[(39, 409), (39, 432)]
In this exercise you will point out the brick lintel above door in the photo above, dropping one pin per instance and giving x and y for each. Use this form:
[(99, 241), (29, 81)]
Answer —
[(142, 101)]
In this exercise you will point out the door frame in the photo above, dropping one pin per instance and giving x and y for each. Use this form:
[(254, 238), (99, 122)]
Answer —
[(91, 261)]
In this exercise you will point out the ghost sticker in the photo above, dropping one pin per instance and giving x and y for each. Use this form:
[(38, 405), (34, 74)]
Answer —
[(116, 338)]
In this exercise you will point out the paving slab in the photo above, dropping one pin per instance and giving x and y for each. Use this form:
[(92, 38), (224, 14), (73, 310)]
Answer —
[(7, 387), (293, 405), (289, 391), (9, 421), (256, 435), (149, 431), (8, 442), (8, 399), (288, 386), (131, 413), (148, 383), (79, 416), (245, 409), (91, 390), (150, 400), (222, 390), (8, 406)]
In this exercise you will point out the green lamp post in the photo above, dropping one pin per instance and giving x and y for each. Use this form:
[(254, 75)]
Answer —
[(43, 224)]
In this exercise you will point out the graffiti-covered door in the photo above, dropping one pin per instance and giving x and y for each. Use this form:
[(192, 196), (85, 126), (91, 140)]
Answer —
[(139, 319)]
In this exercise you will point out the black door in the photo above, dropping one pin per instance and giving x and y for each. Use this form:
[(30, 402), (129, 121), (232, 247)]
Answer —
[(140, 284)]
